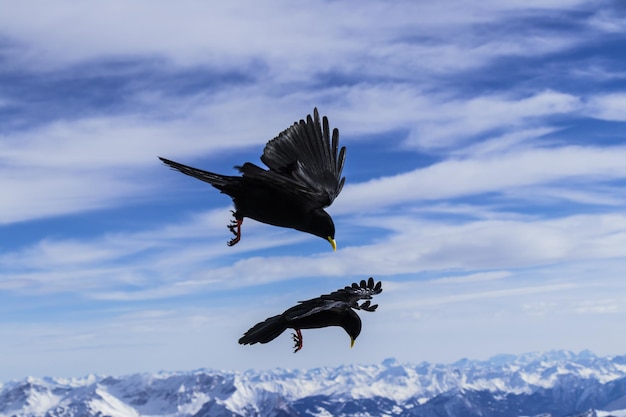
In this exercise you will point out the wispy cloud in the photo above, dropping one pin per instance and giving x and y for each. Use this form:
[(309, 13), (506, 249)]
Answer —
[(189, 30), (131, 267), (608, 106), (464, 177)]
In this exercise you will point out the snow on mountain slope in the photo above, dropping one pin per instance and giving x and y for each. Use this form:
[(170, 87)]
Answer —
[(559, 382), (616, 413)]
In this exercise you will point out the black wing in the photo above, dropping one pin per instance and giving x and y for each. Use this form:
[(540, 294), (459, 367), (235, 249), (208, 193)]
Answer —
[(350, 295), (305, 158), (342, 299), (314, 306)]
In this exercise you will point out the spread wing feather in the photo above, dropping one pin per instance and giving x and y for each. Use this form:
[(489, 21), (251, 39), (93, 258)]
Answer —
[(304, 154), (349, 296), (287, 184)]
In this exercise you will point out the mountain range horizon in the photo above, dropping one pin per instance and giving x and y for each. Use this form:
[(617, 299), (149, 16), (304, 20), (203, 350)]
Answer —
[(549, 383)]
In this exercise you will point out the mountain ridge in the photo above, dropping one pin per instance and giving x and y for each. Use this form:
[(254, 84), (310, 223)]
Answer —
[(558, 383)]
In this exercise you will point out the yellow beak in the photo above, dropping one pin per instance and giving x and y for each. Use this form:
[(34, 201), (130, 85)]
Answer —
[(332, 243), (351, 343)]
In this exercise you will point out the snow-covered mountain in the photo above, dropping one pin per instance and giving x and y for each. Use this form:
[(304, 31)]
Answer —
[(557, 383)]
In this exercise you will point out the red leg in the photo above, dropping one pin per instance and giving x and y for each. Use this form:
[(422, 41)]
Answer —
[(298, 339), (235, 224)]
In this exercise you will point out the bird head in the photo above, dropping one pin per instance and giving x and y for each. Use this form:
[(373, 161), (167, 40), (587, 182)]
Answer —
[(352, 325), (322, 225)]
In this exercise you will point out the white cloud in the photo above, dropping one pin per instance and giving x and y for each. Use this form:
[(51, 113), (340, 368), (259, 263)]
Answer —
[(457, 121), (482, 295), (34, 193), (511, 141), (607, 20), (477, 277), (141, 265), (293, 39), (114, 142), (608, 106), (131, 267), (465, 177), (442, 121), (598, 72)]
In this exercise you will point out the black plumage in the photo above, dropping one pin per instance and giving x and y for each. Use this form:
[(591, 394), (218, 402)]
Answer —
[(304, 177), (334, 309)]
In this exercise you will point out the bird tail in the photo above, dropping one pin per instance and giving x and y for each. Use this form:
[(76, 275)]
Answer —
[(265, 331), (218, 181)]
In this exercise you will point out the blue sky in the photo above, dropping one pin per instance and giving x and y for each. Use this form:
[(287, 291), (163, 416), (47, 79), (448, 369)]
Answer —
[(486, 164)]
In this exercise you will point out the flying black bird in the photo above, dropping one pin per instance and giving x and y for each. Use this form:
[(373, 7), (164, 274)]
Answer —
[(334, 309), (304, 177)]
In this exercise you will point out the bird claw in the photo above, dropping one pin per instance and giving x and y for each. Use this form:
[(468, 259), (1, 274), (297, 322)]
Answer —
[(235, 228), (297, 339)]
